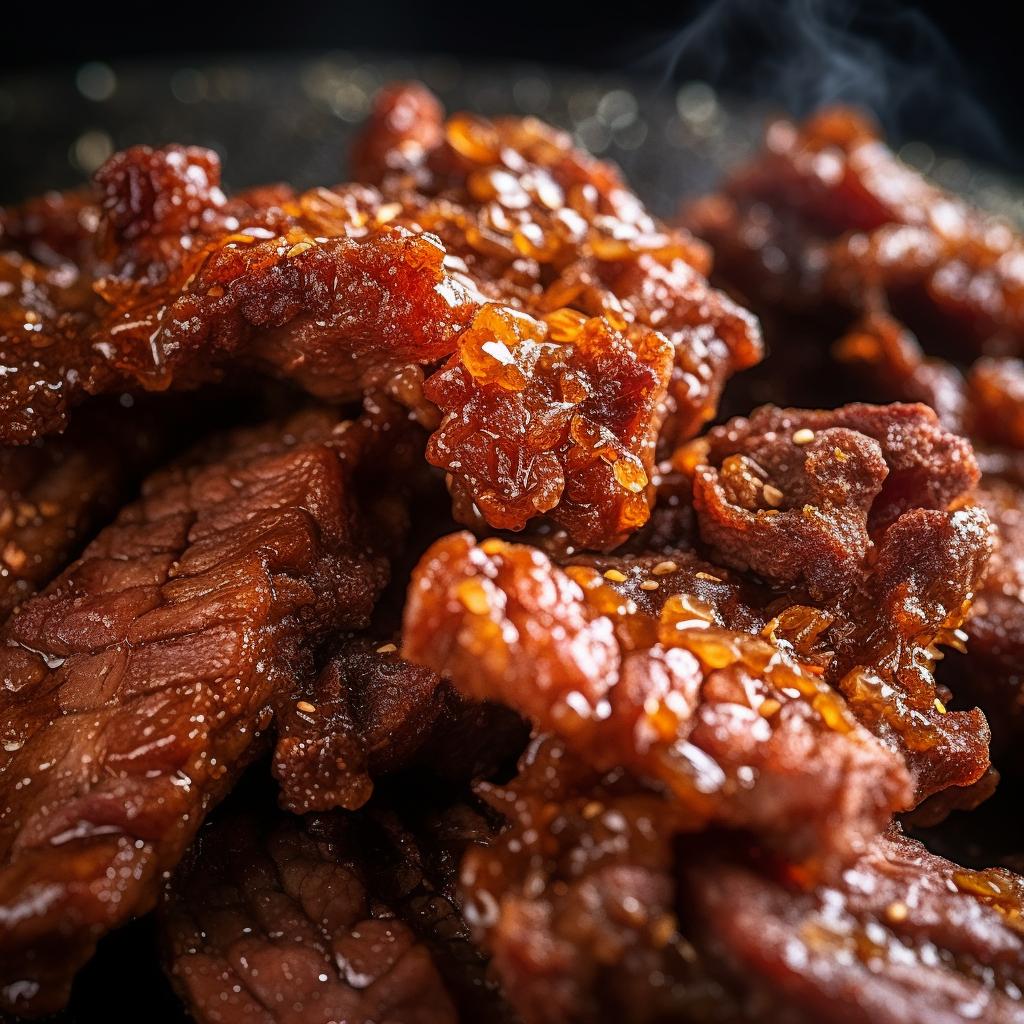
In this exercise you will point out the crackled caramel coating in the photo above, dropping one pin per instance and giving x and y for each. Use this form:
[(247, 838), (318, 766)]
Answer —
[(182, 282), (739, 733), (855, 509), (141, 681), (905, 936), (571, 397)]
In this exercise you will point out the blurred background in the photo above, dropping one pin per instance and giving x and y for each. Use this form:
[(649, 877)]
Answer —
[(673, 92)]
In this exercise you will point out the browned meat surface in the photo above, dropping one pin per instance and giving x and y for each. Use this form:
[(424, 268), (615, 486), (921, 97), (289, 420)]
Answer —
[(139, 683), (736, 730), (369, 713), (327, 918), (904, 937), (183, 281), (852, 513)]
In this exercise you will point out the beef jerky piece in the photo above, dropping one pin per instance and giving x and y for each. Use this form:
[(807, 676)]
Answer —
[(56, 230), (576, 899), (827, 212), (738, 732), (139, 683), (574, 393), (903, 937), (316, 288), (329, 917), (565, 428), (369, 713), (55, 491), (850, 507)]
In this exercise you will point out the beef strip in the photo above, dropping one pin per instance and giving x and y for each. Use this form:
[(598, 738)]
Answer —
[(140, 682), (327, 918), (668, 688), (903, 937)]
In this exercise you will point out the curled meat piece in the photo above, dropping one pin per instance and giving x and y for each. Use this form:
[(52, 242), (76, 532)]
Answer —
[(369, 713), (850, 506), (903, 937), (543, 228), (140, 682), (738, 732), (827, 212), (317, 288), (798, 495), (575, 900), (327, 918)]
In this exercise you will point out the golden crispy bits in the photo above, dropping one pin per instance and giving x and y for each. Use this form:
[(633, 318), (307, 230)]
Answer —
[(315, 288), (851, 507), (135, 688), (329, 917), (905, 937), (369, 713), (546, 230), (565, 428), (736, 730)]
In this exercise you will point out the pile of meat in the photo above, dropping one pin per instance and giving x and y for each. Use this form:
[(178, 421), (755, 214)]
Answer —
[(392, 508)]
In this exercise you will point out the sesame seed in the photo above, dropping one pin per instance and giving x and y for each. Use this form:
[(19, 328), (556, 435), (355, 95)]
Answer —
[(939, 706), (773, 495), (615, 576), (304, 705), (663, 567), (708, 576), (386, 649), (803, 436), (649, 585)]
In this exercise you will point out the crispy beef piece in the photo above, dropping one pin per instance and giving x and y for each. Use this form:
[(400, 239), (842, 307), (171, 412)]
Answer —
[(555, 409), (575, 900), (850, 508), (828, 213), (57, 229), (904, 936), (140, 682), (328, 917), (738, 732), (369, 713), (184, 284)]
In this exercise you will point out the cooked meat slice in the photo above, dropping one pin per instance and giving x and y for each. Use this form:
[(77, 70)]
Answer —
[(555, 398), (140, 682), (852, 513), (904, 937), (740, 733), (185, 283), (327, 918), (575, 900), (369, 713)]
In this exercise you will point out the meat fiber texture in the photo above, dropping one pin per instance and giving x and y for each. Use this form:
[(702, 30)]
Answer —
[(138, 684)]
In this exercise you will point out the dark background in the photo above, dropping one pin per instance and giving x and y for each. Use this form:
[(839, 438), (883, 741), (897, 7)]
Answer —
[(942, 71)]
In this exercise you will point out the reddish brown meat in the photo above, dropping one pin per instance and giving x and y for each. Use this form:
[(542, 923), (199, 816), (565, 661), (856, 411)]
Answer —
[(739, 733), (369, 713), (185, 282), (137, 686), (327, 918), (904, 938), (849, 508), (567, 402)]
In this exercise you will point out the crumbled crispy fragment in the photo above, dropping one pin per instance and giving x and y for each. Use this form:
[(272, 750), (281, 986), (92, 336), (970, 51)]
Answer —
[(138, 684)]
